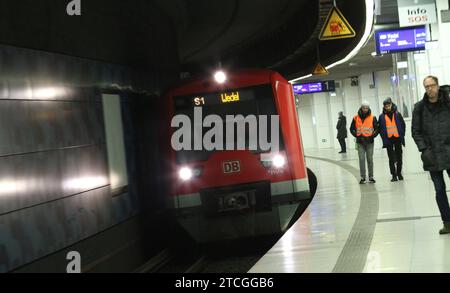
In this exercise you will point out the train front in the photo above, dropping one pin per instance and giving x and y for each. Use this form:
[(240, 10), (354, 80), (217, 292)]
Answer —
[(237, 168)]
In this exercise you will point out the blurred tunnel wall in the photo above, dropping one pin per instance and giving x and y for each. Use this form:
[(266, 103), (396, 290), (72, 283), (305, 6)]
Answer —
[(55, 188)]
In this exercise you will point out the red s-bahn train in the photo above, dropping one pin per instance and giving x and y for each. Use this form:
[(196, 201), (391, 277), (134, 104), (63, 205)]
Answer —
[(229, 193)]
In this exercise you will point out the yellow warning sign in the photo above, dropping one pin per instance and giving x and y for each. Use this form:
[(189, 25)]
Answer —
[(336, 27), (319, 70)]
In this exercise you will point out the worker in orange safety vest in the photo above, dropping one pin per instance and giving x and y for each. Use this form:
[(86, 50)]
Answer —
[(365, 128), (392, 131)]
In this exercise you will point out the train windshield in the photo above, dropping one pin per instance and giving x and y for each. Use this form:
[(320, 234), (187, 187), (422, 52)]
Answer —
[(256, 100)]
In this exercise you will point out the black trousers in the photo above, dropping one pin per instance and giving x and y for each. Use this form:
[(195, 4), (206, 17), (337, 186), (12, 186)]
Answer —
[(343, 145), (441, 194), (395, 154)]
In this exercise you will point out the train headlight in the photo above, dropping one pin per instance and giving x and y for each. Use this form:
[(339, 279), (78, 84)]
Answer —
[(185, 173), (278, 161), (220, 77)]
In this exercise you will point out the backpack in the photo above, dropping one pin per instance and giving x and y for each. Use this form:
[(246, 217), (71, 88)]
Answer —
[(445, 88)]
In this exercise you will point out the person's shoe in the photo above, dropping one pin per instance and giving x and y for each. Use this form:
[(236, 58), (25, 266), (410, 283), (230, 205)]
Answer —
[(362, 181), (400, 177), (371, 180), (342, 152), (394, 178), (446, 229)]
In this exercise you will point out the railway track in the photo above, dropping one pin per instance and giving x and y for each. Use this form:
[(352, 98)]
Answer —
[(219, 258)]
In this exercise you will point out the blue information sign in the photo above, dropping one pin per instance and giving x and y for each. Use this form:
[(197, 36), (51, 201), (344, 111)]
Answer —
[(307, 88), (398, 40), (314, 87)]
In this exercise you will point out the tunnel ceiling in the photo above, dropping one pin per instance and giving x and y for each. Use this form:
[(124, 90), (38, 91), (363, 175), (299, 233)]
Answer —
[(277, 34), (216, 29)]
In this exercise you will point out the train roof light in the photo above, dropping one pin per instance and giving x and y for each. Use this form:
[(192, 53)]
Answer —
[(220, 76)]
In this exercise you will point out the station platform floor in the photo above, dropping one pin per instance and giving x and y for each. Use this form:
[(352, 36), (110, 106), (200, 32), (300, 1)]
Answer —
[(353, 228)]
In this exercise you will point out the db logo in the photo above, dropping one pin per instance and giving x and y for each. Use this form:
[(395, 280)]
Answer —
[(231, 167)]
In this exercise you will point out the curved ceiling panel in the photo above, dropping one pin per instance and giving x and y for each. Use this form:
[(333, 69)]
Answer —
[(277, 34), (183, 35)]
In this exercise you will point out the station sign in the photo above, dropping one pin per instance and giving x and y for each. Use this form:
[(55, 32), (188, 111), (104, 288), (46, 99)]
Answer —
[(416, 12), (399, 40), (314, 87)]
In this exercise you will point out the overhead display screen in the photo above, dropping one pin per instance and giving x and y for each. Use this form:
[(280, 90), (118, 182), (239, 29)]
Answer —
[(307, 88), (314, 87), (224, 98), (399, 40)]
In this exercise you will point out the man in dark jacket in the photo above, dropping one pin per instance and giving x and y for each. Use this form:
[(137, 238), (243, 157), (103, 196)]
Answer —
[(342, 131), (365, 128), (431, 132), (392, 132)]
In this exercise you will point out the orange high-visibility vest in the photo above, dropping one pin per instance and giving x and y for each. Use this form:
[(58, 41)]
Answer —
[(391, 126), (364, 129)]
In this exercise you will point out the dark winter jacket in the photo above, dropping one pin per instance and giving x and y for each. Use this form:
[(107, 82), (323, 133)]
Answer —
[(362, 139), (401, 127), (341, 127), (431, 132)]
